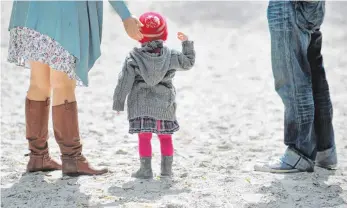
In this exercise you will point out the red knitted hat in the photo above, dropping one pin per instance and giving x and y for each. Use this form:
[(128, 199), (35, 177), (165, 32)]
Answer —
[(154, 27)]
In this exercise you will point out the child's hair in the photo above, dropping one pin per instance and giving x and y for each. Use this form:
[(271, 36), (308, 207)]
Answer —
[(154, 27)]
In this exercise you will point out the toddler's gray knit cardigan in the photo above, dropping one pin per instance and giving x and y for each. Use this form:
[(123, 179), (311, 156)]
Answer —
[(147, 78)]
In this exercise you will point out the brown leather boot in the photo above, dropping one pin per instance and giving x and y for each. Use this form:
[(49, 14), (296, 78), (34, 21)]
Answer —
[(36, 117), (66, 132)]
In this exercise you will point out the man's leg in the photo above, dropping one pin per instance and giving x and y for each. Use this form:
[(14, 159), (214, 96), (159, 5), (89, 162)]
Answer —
[(290, 40), (324, 132)]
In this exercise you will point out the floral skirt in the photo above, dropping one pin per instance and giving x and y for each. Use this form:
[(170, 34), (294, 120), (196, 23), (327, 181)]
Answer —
[(148, 124), (29, 45)]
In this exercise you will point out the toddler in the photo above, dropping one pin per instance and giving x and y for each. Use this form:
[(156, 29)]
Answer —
[(146, 79)]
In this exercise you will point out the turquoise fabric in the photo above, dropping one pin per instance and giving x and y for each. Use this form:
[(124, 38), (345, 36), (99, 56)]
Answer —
[(76, 25)]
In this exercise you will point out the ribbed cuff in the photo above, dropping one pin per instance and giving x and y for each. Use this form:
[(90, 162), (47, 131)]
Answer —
[(118, 105), (187, 43), (187, 46)]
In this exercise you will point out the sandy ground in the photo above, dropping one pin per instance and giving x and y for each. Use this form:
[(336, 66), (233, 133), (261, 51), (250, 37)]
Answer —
[(229, 113)]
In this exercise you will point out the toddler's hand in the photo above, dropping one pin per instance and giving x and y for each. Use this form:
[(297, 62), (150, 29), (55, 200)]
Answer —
[(181, 36)]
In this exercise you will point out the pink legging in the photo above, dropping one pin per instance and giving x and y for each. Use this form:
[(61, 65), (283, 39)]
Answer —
[(145, 146)]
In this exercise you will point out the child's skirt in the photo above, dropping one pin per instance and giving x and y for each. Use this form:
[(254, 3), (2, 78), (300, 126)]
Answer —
[(148, 124), (29, 45)]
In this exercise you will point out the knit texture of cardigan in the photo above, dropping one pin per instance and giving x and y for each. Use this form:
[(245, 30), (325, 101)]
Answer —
[(146, 78)]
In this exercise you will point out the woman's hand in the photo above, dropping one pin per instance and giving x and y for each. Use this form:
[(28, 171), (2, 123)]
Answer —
[(181, 36), (132, 26)]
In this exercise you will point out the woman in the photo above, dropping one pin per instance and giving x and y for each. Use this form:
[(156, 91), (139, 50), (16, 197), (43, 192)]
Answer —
[(60, 42)]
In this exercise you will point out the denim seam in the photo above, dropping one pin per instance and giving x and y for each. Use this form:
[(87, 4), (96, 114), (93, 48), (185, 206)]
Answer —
[(306, 32), (290, 62)]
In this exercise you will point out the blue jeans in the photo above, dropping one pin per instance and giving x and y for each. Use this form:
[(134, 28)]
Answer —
[(299, 74)]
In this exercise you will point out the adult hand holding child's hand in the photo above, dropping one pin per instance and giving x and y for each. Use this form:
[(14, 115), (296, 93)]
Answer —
[(133, 26)]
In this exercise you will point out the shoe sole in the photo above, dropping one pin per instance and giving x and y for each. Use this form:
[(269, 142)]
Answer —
[(329, 167), (269, 170), (73, 174), (142, 177), (81, 174), (146, 177), (165, 176), (45, 170)]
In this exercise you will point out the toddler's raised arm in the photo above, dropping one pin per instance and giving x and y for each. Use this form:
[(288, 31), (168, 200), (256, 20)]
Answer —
[(183, 60)]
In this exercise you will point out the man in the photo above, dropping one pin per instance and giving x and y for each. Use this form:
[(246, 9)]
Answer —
[(300, 81)]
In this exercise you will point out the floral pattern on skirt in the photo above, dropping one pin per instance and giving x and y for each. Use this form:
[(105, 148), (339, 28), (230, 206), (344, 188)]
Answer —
[(29, 45), (148, 124)]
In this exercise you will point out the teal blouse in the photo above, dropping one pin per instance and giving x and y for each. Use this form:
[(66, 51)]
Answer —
[(75, 25)]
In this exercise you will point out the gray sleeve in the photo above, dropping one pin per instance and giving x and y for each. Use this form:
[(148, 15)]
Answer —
[(183, 60), (125, 83)]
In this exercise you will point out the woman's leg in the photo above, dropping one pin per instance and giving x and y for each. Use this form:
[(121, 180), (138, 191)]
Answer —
[(63, 88), (145, 152), (323, 118), (39, 89), (65, 124), (37, 106)]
